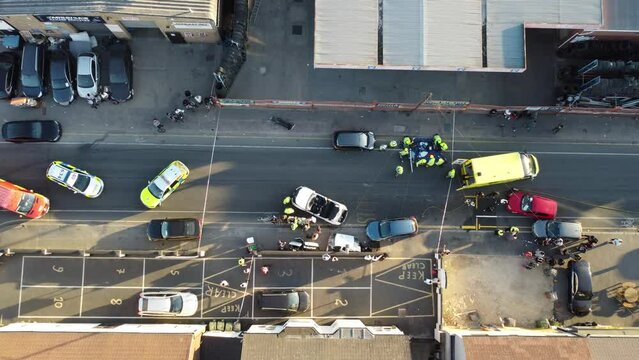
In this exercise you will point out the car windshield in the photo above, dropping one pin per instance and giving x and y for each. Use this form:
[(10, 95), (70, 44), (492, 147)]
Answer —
[(164, 229), (82, 182), (155, 190), (117, 74), (552, 228), (30, 80), (85, 81), (26, 203), (384, 229), (176, 304), (59, 84), (526, 203)]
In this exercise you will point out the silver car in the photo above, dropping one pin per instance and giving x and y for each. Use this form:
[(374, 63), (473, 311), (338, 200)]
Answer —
[(167, 303), (556, 229), (88, 75)]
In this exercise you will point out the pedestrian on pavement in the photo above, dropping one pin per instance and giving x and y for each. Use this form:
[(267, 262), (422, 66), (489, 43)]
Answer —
[(592, 240), (546, 241), (399, 170), (287, 200), (289, 211), (392, 144), (244, 285), (557, 128), (492, 112), (407, 141), (443, 146), (403, 152), (326, 257), (451, 174), (429, 282), (241, 261), (420, 162), (528, 254), (441, 161), (265, 269), (514, 230), (295, 224), (616, 241), (500, 232), (158, 125), (431, 160), (224, 283), (559, 242), (437, 139)]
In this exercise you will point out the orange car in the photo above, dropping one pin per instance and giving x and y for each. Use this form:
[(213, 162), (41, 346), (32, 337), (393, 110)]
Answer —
[(22, 201)]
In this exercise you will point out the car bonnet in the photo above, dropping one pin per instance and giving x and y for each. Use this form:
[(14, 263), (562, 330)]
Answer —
[(542, 205)]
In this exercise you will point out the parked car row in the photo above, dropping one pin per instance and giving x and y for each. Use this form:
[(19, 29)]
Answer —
[(41, 69)]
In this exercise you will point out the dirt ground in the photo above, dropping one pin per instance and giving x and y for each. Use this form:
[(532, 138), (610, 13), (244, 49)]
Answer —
[(494, 287)]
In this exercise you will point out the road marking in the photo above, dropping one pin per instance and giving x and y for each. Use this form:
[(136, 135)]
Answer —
[(143, 273), (110, 287), (218, 119), (84, 261), (202, 290), (312, 287), (20, 294), (223, 317), (370, 296), (312, 283), (403, 286), (404, 303)]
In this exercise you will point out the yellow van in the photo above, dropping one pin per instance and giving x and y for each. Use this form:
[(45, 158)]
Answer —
[(498, 169)]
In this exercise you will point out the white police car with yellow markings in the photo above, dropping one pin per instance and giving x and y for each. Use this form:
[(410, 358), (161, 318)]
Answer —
[(74, 179)]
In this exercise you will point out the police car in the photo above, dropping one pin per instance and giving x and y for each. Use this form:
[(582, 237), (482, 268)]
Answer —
[(74, 179), (164, 184)]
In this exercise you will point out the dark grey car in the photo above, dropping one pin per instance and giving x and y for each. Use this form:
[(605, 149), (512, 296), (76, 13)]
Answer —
[(580, 288), (60, 74), (8, 74), (353, 140), (379, 230), (31, 131), (556, 229), (173, 229), (284, 300), (32, 71)]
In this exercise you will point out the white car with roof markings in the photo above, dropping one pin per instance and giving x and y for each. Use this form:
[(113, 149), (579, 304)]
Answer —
[(74, 179)]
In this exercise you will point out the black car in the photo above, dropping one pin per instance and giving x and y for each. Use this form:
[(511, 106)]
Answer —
[(32, 71), (379, 230), (291, 301), (8, 74), (120, 72), (580, 288), (60, 73), (32, 131), (173, 229), (348, 140)]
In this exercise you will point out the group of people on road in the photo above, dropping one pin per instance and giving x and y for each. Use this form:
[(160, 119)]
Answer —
[(190, 102), (289, 217), (425, 152)]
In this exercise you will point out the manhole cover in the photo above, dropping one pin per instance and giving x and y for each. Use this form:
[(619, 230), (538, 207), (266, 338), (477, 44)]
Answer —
[(297, 29)]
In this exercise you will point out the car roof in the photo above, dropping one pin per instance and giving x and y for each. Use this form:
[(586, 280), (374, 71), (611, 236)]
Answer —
[(402, 226), (543, 205), (168, 175), (569, 229), (58, 172), (84, 63), (352, 138), (582, 269)]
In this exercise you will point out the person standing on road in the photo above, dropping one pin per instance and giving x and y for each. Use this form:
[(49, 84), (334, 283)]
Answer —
[(287, 200), (616, 242), (451, 174), (399, 170), (158, 125), (557, 128)]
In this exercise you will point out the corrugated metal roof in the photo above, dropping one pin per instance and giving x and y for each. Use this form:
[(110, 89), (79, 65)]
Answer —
[(453, 33), (403, 32), (346, 32), (205, 9), (505, 19), (621, 14)]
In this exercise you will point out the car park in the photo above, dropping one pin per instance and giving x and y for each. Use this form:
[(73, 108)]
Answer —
[(88, 75), (22, 201), (120, 72), (32, 71), (290, 301), (167, 303), (580, 300), (534, 206), (379, 230), (8, 74), (174, 229), (164, 184), (320, 206), (31, 131), (74, 179), (353, 140), (567, 230), (60, 75)]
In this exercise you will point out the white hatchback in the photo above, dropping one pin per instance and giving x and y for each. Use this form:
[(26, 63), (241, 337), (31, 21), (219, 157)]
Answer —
[(88, 75), (74, 179), (167, 303)]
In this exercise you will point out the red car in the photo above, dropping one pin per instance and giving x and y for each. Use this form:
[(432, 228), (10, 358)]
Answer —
[(534, 206)]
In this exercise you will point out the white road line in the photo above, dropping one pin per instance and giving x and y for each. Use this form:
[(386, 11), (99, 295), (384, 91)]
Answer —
[(160, 211), (312, 283), (84, 261), (253, 292), (143, 273), (202, 291), (20, 293), (226, 317), (313, 287), (111, 287), (370, 305), (208, 178)]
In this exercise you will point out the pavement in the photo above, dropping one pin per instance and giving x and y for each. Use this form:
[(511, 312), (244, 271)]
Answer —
[(243, 165), (279, 65)]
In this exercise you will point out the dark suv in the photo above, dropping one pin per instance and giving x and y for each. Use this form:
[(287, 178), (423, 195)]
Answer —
[(32, 71), (8, 74), (580, 287), (60, 74)]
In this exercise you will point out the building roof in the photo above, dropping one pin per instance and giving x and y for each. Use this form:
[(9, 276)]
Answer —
[(96, 345), (439, 34), (621, 15), (483, 347), (276, 346), (199, 9)]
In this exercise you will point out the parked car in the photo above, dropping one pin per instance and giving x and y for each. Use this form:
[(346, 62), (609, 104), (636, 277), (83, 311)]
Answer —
[(74, 179), (379, 230), (31, 131), (164, 184), (8, 74), (580, 287), (320, 206), (291, 301), (22, 201), (347, 140), (60, 75), (534, 206), (88, 75), (120, 72), (167, 303), (556, 229), (173, 229), (32, 71)]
